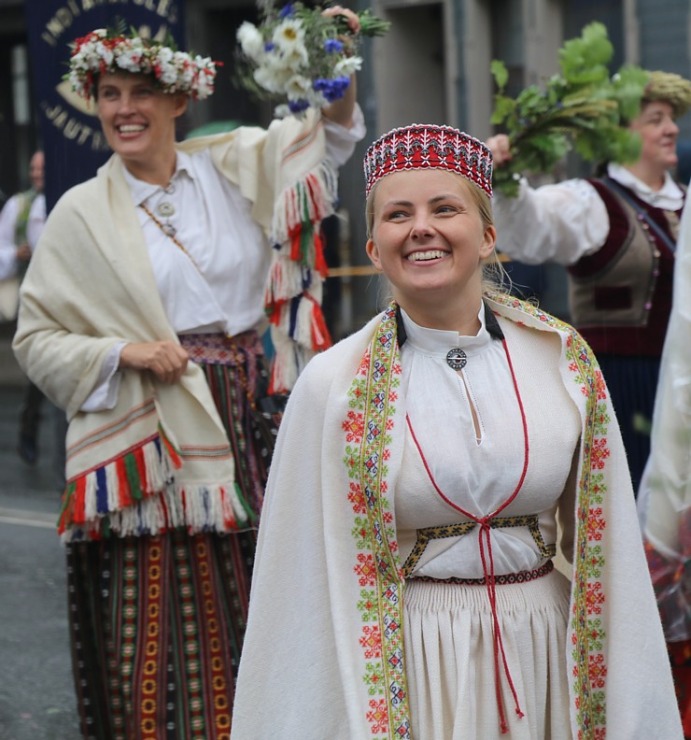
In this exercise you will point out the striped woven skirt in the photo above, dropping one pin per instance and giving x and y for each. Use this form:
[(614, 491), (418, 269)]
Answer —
[(157, 623)]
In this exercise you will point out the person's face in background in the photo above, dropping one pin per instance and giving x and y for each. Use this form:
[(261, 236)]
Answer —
[(36, 172), (137, 118), (658, 131)]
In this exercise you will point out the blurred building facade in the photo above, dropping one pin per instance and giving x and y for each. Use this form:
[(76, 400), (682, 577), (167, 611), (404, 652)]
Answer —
[(433, 66)]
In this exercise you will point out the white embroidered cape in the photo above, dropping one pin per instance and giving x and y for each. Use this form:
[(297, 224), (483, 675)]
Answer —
[(324, 651)]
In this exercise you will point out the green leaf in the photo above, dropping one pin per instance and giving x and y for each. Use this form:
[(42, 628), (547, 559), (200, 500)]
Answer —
[(503, 108), (581, 109), (500, 73)]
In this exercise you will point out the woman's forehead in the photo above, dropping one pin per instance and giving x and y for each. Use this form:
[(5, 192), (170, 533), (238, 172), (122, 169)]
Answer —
[(123, 78), (652, 107), (419, 180)]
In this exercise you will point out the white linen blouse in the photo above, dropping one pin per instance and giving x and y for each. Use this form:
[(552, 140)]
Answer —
[(217, 283), (469, 427), (568, 220)]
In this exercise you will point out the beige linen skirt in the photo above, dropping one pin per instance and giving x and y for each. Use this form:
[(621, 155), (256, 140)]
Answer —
[(451, 660)]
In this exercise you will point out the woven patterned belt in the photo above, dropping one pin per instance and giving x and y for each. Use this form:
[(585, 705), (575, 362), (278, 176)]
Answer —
[(219, 349), (523, 577)]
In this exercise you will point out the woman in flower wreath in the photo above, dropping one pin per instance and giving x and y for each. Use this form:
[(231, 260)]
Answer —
[(421, 470), (616, 235), (141, 316)]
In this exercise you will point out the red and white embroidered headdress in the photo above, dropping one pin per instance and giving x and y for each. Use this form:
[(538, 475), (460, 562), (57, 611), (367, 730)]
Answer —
[(427, 146)]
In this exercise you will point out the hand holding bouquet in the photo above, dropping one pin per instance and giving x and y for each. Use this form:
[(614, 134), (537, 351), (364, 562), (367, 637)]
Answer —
[(303, 56)]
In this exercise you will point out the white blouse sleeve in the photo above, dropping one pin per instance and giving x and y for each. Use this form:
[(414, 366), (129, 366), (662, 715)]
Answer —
[(341, 141), (105, 395), (553, 223)]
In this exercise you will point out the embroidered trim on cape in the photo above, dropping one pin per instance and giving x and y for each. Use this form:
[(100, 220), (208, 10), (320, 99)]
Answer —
[(367, 429), (368, 437), (589, 643)]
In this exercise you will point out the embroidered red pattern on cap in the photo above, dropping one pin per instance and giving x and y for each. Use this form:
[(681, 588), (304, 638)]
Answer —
[(427, 146)]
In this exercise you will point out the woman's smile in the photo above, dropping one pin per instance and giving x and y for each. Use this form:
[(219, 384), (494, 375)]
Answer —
[(426, 256)]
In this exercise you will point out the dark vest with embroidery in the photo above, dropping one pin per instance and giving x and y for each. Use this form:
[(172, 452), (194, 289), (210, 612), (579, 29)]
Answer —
[(621, 296)]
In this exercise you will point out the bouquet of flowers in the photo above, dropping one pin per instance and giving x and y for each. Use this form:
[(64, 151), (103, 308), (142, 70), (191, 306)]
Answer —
[(301, 55), (582, 108)]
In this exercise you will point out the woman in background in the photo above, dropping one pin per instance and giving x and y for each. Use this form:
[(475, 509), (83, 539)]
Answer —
[(616, 236), (141, 316)]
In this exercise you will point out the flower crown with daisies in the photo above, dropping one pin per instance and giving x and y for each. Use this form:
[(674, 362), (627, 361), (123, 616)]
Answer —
[(103, 51)]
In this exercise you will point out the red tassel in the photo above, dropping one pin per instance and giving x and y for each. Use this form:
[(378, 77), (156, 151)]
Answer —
[(295, 236), (173, 454), (319, 261), (319, 332), (141, 470), (123, 484), (273, 312), (78, 499)]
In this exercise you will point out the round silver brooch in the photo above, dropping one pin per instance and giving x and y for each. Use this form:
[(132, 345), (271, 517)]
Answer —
[(456, 358), (165, 209)]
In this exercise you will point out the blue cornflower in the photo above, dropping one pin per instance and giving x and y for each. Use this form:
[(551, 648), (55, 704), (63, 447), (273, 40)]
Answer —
[(331, 89), (286, 11), (269, 46), (333, 46), (297, 106)]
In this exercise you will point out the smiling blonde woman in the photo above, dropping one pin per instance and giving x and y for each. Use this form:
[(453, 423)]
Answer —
[(405, 584)]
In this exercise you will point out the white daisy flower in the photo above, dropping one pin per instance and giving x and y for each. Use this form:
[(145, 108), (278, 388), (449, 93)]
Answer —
[(298, 87), (346, 66), (251, 41), (288, 34)]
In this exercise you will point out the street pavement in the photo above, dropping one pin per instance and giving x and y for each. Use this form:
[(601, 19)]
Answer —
[(37, 700)]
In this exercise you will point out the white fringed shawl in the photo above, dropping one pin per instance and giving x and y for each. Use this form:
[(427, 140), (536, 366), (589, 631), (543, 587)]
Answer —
[(324, 652), (161, 458)]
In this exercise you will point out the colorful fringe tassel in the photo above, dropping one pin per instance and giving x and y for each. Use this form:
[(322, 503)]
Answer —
[(294, 289), (136, 494)]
